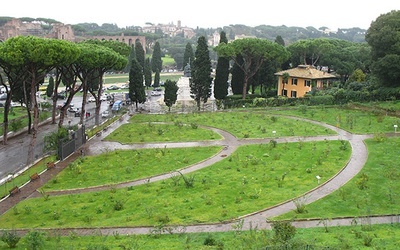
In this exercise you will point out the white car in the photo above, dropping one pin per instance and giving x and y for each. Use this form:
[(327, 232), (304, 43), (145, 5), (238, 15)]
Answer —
[(91, 99), (155, 93), (105, 114)]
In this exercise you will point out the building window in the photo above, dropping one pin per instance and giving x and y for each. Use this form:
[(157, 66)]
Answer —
[(307, 83), (293, 94), (284, 92), (294, 81)]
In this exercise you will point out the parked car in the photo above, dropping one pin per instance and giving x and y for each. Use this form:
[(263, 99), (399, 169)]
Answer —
[(125, 86), (91, 99), (113, 87), (61, 95), (72, 109), (105, 114), (155, 93)]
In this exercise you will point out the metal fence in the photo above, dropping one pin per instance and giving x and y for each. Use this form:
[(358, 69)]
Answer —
[(76, 140)]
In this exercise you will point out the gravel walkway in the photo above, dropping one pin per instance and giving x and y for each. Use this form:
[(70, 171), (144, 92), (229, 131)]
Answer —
[(258, 219)]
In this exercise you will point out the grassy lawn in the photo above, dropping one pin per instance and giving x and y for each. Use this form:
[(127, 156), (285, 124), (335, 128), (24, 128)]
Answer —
[(374, 191), (153, 132), (25, 176), (344, 237), (250, 124), (126, 165), (253, 178), (124, 78), (355, 121)]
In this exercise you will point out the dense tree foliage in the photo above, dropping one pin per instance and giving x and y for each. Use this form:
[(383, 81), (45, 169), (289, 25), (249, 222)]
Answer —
[(254, 52), (237, 79), (136, 88), (188, 56), (221, 73), (156, 61), (140, 57), (200, 81), (147, 73), (384, 39), (170, 93)]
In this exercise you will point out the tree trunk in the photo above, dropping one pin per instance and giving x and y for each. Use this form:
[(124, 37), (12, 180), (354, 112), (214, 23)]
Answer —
[(244, 91), (63, 111), (5, 121), (85, 91), (35, 108)]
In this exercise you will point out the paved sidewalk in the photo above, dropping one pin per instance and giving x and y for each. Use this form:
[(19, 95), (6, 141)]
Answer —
[(258, 219)]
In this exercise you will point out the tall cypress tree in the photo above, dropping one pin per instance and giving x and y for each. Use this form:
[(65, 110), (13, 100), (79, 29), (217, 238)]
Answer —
[(147, 73), (222, 73), (50, 87), (136, 89), (170, 93), (237, 77), (188, 56), (156, 62), (200, 82), (157, 79), (139, 53)]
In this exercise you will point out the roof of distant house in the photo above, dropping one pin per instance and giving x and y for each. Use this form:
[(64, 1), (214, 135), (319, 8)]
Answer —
[(306, 71)]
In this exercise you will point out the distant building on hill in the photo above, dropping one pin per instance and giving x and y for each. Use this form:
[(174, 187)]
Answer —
[(16, 27)]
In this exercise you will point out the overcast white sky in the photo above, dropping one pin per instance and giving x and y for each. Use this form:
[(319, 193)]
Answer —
[(205, 13)]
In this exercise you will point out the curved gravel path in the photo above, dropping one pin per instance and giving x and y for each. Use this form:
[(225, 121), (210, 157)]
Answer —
[(258, 219)]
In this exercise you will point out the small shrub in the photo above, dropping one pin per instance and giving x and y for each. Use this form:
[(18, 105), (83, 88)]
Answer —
[(11, 238), (34, 240), (118, 205)]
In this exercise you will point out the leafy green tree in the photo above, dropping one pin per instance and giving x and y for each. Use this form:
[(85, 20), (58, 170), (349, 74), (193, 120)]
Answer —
[(136, 89), (200, 82), (139, 53), (50, 87), (309, 51), (221, 74), (254, 52), (170, 93), (383, 37), (188, 56), (147, 73), (279, 40), (38, 56), (111, 55), (156, 62)]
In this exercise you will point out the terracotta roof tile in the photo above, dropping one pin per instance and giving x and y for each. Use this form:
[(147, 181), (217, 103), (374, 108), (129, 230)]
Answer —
[(306, 71)]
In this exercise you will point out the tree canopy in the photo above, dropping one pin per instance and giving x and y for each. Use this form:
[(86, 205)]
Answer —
[(384, 39), (254, 52)]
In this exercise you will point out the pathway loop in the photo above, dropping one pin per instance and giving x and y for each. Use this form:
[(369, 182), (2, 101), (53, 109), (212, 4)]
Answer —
[(231, 143)]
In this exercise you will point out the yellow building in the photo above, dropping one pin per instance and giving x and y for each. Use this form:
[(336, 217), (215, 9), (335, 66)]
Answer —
[(298, 81)]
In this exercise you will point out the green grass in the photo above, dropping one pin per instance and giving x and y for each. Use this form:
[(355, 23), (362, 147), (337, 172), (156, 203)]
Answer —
[(355, 121), (124, 78), (380, 194), (25, 176), (258, 124), (254, 178), (330, 237), (126, 165), (153, 132)]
